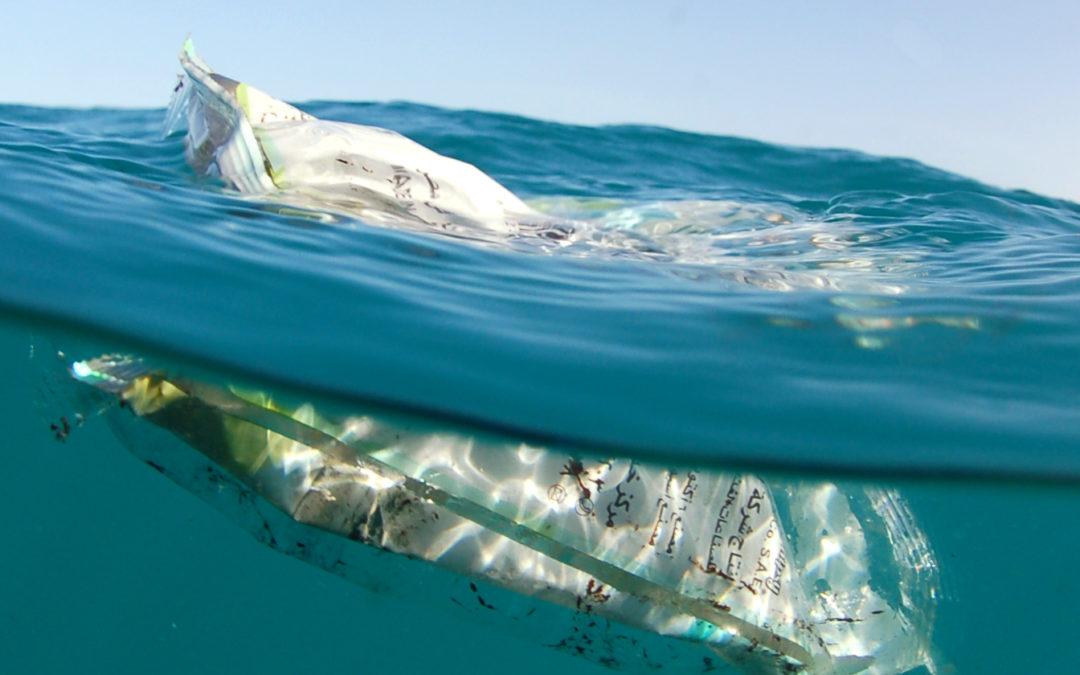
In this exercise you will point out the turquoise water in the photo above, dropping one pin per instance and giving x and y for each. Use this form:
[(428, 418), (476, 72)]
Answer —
[(722, 301)]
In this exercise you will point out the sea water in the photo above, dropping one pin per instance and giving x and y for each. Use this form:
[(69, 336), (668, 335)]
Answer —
[(723, 303)]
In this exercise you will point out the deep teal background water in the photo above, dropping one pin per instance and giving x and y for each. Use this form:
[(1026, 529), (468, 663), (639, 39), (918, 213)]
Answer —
[(962, 388)]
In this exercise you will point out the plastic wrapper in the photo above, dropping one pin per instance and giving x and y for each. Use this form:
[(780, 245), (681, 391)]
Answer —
[(260, 145), (629, 563)]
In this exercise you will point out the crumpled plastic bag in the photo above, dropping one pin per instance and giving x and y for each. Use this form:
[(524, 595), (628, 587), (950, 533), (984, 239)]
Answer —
[(259, 145), (652, 566)]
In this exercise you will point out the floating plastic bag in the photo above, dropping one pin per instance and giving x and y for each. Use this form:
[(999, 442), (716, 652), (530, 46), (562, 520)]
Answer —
[(268, 149), (653, 566), (259, 145)]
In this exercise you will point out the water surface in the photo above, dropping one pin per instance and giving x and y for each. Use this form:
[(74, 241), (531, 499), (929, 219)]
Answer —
[(723, 301)]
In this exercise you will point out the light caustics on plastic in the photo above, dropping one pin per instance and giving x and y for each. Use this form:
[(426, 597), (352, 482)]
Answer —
[(772, 576)]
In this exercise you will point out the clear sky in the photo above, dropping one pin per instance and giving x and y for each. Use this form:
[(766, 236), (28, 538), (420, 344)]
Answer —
[(984, 88)]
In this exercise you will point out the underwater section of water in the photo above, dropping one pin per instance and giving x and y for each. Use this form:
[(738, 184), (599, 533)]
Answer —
[(123, 565)]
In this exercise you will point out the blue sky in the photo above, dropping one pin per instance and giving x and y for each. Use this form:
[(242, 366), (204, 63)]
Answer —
[(987, 89)]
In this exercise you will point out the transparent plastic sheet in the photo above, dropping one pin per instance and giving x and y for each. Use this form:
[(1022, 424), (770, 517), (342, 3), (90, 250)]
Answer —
[(633, 565)]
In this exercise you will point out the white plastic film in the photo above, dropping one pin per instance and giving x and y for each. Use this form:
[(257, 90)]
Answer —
[(258, 144)]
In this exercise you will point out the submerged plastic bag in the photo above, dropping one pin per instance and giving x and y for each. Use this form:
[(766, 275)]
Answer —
[(653, 566)]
